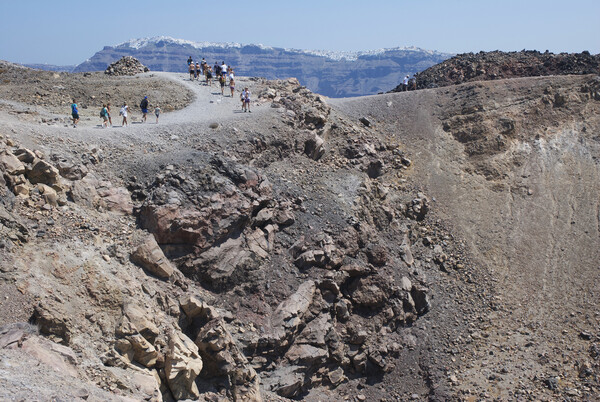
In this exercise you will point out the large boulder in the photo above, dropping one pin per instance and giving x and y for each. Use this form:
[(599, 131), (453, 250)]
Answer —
[(58, 357), (72, 171), (150, 256), (11, 164), (182, 365), (83, 192), (43, 172), (116, 199), (218, 264), (135, 320), (287, 317)]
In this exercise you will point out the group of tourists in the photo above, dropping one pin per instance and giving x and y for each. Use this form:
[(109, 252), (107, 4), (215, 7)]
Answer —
[(223, 73), (409, 84), (123, 112)]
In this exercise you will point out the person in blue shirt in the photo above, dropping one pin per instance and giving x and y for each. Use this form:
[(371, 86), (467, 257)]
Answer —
[(144, 107), (75, 113)]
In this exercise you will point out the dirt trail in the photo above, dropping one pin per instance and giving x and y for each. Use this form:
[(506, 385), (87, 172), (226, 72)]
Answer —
[(209, 118), (208, 106)]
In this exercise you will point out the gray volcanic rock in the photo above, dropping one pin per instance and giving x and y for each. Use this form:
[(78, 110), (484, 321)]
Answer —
[(328, 73), (127, 65), (485, 66)]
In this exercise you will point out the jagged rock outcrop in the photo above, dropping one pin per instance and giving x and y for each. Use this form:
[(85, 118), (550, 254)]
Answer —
[(149, 256), (484, 66), (182, 365)]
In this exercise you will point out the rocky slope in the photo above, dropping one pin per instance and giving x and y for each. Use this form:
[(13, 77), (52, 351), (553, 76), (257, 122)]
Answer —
[(414, 246), (484, 66), (513, 165), (279, 256), (327, 73)]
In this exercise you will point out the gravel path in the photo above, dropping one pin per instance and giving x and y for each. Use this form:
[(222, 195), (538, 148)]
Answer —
[(141, 149), (209, 106)]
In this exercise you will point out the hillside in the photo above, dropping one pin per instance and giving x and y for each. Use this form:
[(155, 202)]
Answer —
[(331, 74), (485, 66), (513, 167), (428, 245)]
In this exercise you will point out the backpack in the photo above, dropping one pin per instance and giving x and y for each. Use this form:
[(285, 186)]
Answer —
[(103, 112)]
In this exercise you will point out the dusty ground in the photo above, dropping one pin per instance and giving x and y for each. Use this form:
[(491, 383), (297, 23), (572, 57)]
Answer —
[(514, 173), (510, 170), (51, 92)]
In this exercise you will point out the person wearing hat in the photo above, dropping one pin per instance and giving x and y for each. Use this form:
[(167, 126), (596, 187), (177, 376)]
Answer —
[(144, 107)]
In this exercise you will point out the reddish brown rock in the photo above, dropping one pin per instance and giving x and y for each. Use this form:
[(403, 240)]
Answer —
[(150, 256)]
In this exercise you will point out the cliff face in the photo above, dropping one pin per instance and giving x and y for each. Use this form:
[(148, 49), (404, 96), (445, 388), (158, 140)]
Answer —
[(330, 74)]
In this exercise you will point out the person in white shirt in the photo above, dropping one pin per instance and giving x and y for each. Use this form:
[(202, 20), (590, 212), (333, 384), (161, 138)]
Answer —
[(123, 112), (405, 84), (243, 99), (247, 99), (231, 83)]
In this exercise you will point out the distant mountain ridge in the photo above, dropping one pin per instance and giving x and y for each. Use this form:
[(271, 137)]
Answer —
[(51, 67), (334, 74)]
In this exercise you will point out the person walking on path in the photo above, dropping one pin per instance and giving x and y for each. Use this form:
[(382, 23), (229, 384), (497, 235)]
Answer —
[(108, 112), (189, 61), (144, 107), (222, 83), (243, 99), (74, 113), (247, 99), (104, 116), (123, 112), (224, 70), (191, 68), (197, 73), (203, 65), (231, 83), (405, 84), (217, 69), (209, 76), (156, 113)]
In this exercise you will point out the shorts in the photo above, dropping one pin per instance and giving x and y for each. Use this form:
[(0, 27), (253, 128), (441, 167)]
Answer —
[(222, 84), (75, 115), (105, 118), (156, 114), (232, 87), (247, 100), (144, 111)]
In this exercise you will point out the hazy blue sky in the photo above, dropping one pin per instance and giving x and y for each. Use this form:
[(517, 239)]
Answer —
[(68, 32)]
